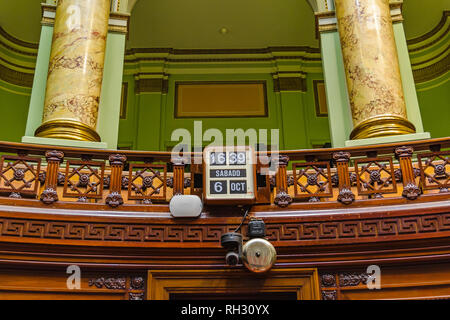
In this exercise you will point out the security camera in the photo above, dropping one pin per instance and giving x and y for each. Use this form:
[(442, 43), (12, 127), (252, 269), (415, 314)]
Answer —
[(232, 241)]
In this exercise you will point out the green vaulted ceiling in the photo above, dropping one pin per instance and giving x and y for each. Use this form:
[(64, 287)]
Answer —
[(197, 23)]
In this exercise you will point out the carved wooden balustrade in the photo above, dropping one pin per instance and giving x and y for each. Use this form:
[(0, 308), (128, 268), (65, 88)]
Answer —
[(146, 181)]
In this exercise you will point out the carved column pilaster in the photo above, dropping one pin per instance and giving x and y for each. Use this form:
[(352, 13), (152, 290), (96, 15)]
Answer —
[(410, 190), (117, 161), (282, 199), (346, 195), (178, 176), (54, 158)]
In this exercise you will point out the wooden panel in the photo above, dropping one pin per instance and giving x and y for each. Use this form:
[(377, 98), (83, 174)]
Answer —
[(163, 283), (320, 97), (424, 281), (18, 294), (217, 99), (52, 285)]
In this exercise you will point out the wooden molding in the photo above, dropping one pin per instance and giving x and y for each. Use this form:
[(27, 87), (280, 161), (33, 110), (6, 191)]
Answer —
[(163, 283)]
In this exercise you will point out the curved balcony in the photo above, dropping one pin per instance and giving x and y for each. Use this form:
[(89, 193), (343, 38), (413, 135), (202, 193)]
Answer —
[(337, 210)]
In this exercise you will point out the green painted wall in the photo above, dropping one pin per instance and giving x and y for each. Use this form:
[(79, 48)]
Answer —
[(434, 101), (150, 116), (14, 102)]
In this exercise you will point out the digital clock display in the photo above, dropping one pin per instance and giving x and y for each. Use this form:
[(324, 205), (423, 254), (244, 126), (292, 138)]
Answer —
[(230, 158)]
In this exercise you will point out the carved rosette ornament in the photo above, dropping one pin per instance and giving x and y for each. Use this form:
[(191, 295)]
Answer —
[(346, 196), (411, 191), (49, 196), (15, 195), (283, 199), (329, 295), (328, 280), (114, 200), (137, 283), (136, 296)]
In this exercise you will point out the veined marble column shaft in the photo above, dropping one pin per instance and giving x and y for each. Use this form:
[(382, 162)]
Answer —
[(372, 69), (76, 70)]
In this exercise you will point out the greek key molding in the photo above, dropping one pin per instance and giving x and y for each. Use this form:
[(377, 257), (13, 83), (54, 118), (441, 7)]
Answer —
[(376, 229)]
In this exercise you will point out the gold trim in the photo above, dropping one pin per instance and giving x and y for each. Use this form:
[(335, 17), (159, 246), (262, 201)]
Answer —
[(67, 129), (381, 126)]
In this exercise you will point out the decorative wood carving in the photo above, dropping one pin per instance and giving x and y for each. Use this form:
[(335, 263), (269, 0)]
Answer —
[(301, 281), (54, 158), (134, 291), (312, 180), (375, 176), (178, 176), (410, 190), (282, 198), (329, 295), (136, 296), (19, 175), (328, 280), (302, 233), (342, 160), (84, 179), (435, 170), (147, 182), (118, 283), (352, 279), (114, 199)]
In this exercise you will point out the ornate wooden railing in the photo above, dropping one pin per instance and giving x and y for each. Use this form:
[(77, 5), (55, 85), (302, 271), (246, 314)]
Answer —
[(413, 171)]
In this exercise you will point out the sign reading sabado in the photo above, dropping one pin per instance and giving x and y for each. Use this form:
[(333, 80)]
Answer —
[(229, 175)]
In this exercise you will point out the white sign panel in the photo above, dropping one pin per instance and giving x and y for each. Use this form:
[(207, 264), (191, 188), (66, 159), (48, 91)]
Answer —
[(229, 174)]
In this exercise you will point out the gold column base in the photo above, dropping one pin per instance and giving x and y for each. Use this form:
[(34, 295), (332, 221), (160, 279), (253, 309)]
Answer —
[(67, 129), (382, 126)]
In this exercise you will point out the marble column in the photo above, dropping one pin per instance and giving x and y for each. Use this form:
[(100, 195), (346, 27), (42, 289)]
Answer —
[(76, 70), (372, 70)]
